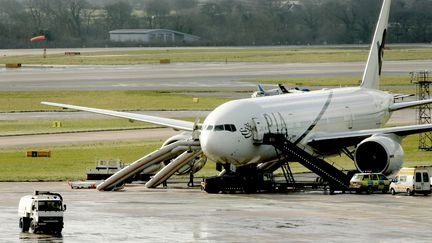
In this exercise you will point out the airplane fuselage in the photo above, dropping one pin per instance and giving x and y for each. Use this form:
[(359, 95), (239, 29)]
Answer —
[(233, 131)]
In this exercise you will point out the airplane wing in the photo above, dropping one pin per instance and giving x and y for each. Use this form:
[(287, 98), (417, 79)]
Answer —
[(177, 124), (325, 141)]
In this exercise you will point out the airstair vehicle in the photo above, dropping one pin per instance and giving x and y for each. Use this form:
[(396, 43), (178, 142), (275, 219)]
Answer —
[(336, 179)]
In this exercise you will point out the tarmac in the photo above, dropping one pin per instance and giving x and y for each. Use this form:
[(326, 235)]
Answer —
[(179, 214)]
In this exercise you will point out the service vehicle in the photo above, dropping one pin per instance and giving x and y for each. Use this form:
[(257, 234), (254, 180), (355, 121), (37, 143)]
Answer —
[(411, 181), (41, 213), (369, 182)]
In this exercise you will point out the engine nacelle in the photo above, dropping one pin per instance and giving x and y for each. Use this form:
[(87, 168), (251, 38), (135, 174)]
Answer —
[(379, 154), (194, 164), (178, 137)]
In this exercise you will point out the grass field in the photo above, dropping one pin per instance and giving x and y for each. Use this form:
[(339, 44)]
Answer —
[(70, 162), (127, 57), (38, 126), (116, 100)]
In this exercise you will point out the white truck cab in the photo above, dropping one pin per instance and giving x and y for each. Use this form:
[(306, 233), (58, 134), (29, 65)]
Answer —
[(411, 181), (41, 212)]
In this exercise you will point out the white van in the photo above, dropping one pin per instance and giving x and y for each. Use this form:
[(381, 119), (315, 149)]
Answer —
[(411, 181)]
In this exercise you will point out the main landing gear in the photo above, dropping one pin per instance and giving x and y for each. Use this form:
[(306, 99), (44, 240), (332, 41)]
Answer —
[(246, 179)]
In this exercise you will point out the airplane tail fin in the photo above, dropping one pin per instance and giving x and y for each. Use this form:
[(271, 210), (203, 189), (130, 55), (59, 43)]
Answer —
[(261, 89), (372, 72)]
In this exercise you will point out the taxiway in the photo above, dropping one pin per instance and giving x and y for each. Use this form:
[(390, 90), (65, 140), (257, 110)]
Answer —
[(181, 76)]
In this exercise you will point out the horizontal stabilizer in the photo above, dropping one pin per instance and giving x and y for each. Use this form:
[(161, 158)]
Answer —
[(177, 124), (403, 105)]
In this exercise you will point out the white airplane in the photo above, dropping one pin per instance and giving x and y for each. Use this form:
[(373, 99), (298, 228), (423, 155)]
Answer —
[(323, 122), (277, 91)]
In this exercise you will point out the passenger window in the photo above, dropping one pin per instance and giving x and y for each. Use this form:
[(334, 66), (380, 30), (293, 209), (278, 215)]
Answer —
[(418, 177), (425, 177), (219, 127), (233, 128), (209, 127), (403, 179)]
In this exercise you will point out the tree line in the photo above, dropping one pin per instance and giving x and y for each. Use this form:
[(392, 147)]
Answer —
[(86, 23)]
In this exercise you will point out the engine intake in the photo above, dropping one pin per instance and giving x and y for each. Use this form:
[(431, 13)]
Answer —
[(379, 154)]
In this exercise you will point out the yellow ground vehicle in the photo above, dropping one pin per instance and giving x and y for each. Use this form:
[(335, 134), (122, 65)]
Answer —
[(369, 182)]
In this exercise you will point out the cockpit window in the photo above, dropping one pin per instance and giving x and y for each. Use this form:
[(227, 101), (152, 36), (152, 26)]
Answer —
[(224, 127), (219, 127), (229, 127)]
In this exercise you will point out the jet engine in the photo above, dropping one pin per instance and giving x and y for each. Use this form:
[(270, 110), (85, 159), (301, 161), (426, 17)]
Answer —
[(194, 164), (379, 154)]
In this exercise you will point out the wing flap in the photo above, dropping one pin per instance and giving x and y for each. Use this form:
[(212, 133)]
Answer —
[(177, 124)]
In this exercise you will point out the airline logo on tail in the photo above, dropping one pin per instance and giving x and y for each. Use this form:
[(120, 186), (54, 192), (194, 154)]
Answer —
[(381, 51), (372, 72)]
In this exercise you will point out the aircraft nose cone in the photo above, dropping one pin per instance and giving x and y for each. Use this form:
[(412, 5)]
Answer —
[(214, 146)]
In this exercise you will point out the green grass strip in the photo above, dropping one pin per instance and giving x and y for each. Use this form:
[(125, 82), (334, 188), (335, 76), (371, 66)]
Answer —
[(70, 162), (223, 54), (116, 100)]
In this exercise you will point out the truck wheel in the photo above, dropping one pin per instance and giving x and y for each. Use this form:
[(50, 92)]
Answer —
[(409, 192), (24, 224), (21, 224), (393, 191), (32, 228)]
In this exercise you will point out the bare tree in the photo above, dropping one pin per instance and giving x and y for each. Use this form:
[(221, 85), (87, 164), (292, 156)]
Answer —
[(118, 14)]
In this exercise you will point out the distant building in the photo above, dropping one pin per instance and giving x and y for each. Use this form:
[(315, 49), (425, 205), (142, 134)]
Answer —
[(151, 36)]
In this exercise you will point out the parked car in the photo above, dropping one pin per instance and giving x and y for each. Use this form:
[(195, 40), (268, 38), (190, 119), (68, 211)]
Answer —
[(369, 182), (411, 181)]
